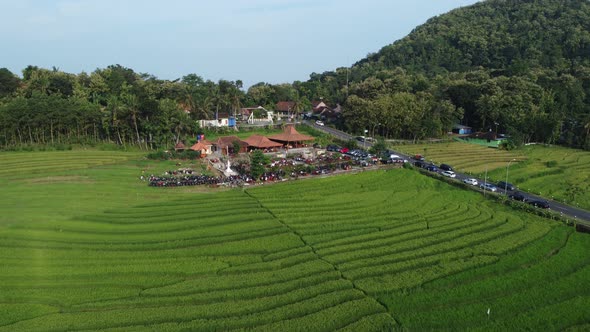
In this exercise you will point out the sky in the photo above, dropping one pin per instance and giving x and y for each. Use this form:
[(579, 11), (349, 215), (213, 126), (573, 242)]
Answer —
[(273, 41)]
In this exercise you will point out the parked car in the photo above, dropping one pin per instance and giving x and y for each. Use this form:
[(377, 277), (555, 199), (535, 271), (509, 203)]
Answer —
[(333, 148), (518, 197), (488, 186), (344, 150), (470, 181), (319, 123), (450, 174), (398, 160), (506, 185), (445, 167), (539, 203), (432, 168)]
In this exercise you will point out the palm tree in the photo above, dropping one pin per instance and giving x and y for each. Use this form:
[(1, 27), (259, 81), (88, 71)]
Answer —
[(203, 109), (113, 108), (181, 124), (235, 103), (132, 103), (296, 108)]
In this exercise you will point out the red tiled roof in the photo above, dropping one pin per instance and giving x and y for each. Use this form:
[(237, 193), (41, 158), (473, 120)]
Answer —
[(199, 146), (206, 142), (248, 110), (315, 103), (291, 135), (259, 141), (225, 141), (284, 106)]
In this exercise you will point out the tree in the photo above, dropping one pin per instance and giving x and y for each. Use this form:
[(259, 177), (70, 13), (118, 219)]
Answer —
[(236, 147), (257, 162), (297, 106), (132, 104), (9, 82), (378, 147)]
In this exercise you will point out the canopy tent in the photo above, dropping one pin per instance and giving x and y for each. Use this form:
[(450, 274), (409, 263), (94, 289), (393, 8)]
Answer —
[(291, 135), (261, 142)]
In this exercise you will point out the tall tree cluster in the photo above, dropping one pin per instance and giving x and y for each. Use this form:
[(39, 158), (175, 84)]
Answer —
[(115, 104)]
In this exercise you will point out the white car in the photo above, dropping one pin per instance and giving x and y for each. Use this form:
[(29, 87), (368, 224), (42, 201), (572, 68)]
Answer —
[(450, 174), (319, 123), (471, 181), (488, 186)]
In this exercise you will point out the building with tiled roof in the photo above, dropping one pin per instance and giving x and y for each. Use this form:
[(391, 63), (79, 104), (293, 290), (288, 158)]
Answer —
[(284, 109)]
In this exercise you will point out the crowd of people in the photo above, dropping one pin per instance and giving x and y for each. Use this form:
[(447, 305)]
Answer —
[(186, 180), (187, 177), (278, 170)]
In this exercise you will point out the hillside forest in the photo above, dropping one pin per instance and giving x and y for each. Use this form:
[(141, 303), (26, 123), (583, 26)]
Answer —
[(516, 67)]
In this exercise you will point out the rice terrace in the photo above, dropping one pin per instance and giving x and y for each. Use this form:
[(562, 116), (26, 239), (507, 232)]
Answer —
[(238, 166), (85, 245)]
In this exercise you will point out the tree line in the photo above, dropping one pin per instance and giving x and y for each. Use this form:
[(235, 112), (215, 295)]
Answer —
[(515, 67)]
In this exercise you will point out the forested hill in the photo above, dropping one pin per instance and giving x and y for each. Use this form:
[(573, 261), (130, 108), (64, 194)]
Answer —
[(508, 37), (516, 67)]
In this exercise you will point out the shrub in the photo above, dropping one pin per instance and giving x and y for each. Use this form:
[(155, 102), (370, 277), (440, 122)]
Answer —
[(551, 163)]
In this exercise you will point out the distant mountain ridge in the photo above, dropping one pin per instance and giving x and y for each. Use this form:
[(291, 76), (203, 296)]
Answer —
[(517, 67), (504, 35)]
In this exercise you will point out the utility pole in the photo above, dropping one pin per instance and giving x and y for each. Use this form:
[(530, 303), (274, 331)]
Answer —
[(347, 82), (506, 183), (485, 182)]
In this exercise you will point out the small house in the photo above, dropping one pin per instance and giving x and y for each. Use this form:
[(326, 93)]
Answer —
[(221, 120), (461, 129), (284, 109), (257, 115)]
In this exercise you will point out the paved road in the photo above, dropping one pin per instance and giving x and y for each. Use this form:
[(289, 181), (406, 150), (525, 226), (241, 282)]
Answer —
[(564, 209)]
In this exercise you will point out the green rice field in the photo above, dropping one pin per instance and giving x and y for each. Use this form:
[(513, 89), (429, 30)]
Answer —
[(466, 157), (551, 171), (86, 245), (546, 171)]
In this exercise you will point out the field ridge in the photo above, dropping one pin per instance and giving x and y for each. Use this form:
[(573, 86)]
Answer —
[(320, 257)]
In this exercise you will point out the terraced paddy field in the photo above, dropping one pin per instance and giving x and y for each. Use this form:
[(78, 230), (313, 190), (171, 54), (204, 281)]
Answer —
[(551, 171), (543, 170), (93, 248), (465, 157)]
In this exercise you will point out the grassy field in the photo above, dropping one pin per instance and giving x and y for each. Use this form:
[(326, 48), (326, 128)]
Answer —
[(547, 171), (86, 245), (469, 158), (551, 171)]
